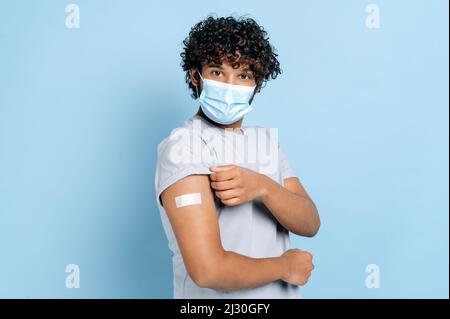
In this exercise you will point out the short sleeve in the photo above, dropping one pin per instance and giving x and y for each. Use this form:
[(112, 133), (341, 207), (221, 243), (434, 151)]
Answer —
[(176, 160), (286, 169)]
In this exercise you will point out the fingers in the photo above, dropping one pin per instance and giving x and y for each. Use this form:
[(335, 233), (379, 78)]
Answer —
[(224, 182), (309, 259), (221, 186), (221, 168), (224, 174), (230, 197), (228, 194), (232, 201)]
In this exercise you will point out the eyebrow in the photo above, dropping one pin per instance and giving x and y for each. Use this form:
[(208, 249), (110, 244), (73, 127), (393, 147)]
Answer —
[(219, 66), (214, 65)]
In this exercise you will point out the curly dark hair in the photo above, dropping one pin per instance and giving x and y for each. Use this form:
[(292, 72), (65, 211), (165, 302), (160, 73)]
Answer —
[(235, 40)]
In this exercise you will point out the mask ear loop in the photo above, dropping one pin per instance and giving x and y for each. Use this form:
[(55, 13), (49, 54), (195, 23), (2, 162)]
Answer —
[(253, 95), (196, 87)]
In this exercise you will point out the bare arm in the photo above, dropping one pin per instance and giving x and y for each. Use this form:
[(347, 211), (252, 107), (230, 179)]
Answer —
[(209, 265), (289, 204)]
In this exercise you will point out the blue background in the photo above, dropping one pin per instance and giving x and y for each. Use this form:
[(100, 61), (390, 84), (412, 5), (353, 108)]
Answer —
[(362, 114)]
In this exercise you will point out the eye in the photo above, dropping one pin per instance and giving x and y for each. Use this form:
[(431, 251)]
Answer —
[(216, 73), (244, 76)]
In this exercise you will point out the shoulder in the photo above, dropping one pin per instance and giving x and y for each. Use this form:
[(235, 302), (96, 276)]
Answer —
[(178, 156), (181, 141)]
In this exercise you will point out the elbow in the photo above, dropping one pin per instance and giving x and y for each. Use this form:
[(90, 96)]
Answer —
[(203, 279), (206, 274), (314, 224), (309, 232), (309, 229), (313, 230)]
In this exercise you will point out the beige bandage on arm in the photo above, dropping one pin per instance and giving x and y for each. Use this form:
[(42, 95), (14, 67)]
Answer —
[(188, 199)]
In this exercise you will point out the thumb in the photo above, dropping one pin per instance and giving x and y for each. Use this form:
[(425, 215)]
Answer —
[(221, 168)]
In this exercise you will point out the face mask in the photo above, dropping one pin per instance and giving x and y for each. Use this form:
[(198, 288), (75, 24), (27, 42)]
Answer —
[(225, 103)]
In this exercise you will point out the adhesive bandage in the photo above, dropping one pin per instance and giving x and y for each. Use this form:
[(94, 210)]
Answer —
[(188, 199)]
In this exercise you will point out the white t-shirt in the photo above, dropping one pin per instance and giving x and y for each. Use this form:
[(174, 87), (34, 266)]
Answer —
[(248, 229)]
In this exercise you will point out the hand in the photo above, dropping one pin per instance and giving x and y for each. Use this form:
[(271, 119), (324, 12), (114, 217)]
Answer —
[(235, 185), (299, 266)]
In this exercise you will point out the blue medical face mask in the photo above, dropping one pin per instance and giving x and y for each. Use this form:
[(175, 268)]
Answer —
[(225, 103)]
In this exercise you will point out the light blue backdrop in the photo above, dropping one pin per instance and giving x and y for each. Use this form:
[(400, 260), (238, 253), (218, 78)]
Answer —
[(362, 114)]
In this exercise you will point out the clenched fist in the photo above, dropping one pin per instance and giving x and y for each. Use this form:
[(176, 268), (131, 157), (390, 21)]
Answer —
[(299, 266)]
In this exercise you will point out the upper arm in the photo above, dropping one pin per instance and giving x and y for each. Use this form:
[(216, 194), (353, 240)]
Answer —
[(195, 226), (288, 175)]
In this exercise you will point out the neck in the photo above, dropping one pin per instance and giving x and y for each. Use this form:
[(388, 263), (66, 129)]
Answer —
[(235, 126)]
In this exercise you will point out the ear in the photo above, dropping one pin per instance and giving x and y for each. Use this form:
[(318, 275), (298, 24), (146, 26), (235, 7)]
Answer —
[(194, 76)]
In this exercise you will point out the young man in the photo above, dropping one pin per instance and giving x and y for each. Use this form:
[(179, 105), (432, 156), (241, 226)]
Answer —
[(228, 220)]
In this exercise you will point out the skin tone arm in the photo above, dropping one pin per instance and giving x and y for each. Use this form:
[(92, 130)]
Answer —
[(208, 264), (290, 205)]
